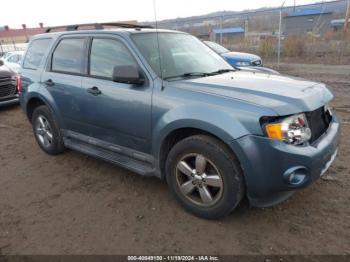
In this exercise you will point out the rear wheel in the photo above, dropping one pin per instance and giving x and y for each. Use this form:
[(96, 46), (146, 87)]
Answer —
[(46, 131), (205, 176)]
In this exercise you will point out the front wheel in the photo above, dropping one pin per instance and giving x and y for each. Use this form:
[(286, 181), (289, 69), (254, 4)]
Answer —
[(205, 176)]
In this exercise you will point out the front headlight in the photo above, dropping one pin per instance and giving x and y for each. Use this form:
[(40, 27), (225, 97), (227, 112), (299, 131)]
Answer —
[(328, 109), (292, 130), (243, 63)]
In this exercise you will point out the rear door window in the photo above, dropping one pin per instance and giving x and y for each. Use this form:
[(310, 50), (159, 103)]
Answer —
[(68, 56), (35, 53)]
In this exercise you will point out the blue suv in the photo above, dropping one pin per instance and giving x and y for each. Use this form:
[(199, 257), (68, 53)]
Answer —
[(162, 103)]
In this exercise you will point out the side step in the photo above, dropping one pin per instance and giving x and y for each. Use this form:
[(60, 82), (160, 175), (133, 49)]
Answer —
[(142, 168)]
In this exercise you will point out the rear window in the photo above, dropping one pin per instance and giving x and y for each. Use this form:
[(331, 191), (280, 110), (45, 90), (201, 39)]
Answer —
[(35, 53), (68, 56)]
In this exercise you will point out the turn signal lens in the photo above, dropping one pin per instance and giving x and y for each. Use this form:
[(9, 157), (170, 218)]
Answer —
[(274, 131)]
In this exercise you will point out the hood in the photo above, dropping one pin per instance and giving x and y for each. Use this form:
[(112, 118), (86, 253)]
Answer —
[(241, 56), (5, 72), (283, 94)]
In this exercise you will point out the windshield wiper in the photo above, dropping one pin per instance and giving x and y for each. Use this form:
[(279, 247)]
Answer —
[(200, 74), (186, 75), (222, 71)]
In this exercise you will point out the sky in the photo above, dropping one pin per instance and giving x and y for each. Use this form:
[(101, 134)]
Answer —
[(63, 12)]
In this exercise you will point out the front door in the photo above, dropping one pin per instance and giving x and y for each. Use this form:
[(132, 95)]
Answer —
[(117, 113)]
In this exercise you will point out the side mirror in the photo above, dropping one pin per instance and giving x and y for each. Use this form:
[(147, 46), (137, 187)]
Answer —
[(1, 62), (128, 75)]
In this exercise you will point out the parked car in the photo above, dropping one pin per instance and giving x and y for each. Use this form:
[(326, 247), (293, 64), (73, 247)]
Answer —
[(13, 60), (8, 84), (243, 61), (235, 58), (215, 134)]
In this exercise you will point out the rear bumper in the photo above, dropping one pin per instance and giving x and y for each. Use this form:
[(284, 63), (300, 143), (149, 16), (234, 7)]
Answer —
[(266, 163), (9, 101)]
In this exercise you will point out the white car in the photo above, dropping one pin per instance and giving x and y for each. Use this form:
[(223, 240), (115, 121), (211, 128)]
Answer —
[(13, 60)]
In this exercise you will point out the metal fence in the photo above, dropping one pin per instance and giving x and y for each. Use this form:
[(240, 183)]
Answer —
[(311, 33), (4, 48)]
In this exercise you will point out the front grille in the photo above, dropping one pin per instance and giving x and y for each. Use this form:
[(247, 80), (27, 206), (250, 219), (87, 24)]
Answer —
[(319, 121), (7, 87)]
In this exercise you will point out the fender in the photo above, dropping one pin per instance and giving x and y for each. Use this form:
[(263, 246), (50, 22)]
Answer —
[(200, 117)]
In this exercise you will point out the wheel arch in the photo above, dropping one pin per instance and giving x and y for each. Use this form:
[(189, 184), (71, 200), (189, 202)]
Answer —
[(36, 100), (32, 104), (177, 134)]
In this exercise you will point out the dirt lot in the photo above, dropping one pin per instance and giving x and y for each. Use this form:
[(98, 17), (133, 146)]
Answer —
[(74, 204)]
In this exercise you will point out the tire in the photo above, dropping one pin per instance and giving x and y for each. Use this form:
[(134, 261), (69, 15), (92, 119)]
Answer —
[(215, 186), (46, 131)]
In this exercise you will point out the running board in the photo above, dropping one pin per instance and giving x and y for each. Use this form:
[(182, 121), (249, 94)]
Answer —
[(139, 167)]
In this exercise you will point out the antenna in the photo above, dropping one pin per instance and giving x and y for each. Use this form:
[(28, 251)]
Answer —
[(159, 53)]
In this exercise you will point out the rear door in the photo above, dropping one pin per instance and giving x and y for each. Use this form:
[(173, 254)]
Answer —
[(64, 75)]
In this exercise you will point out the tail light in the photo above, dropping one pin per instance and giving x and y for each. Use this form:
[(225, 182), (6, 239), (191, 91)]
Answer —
[(19, 84)]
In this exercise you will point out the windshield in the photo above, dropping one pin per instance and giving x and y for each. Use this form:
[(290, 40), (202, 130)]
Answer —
[(217, 48), (181, 54)]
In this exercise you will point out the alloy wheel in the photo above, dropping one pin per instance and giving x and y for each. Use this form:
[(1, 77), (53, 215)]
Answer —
[(199, 180), (43, 131)]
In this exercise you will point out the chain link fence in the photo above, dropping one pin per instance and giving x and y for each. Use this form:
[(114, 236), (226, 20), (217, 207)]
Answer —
[(309, 33)]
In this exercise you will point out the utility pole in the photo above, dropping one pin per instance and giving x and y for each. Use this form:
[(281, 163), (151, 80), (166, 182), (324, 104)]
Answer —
[(279, 36), (14, 44), (347, 16), (294, 7), (221, 22)]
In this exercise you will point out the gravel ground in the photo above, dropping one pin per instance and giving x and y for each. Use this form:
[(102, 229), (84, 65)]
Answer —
[(74, 204)]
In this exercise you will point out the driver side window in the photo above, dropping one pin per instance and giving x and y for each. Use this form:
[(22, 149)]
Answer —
[(106, 54)]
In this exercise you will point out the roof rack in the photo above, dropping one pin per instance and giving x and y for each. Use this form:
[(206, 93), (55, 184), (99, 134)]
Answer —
[(98, 26)]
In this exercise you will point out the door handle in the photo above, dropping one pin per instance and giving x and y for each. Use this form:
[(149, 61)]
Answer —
[(49, 82), (94, 91)]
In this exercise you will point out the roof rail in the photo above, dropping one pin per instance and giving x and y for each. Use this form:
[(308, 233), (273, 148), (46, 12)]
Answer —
[(98, 26)]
